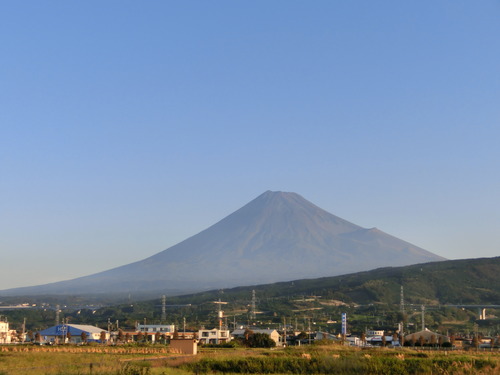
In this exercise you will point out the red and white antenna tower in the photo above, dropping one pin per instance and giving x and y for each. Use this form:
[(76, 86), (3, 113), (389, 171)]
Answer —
[(220, 313)]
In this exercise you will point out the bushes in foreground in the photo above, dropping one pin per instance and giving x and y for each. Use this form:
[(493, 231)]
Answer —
[(340, 365), (227, 345)]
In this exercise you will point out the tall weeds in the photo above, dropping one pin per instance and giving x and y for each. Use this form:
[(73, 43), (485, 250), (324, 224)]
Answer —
[(349, 364)]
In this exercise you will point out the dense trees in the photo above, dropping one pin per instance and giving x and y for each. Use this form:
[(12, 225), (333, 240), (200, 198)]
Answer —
[(260, 340), (120, 336)]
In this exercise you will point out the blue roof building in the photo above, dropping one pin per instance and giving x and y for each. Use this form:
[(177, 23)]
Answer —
[(75, 331)]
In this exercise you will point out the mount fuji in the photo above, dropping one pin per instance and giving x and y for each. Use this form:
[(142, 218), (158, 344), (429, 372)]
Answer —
[(278, 236)]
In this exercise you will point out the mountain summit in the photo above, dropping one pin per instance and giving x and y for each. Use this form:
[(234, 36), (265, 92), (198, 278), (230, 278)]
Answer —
[(278, 236)]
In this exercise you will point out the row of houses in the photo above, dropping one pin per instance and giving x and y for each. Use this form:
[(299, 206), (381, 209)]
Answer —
[(381, 338), (77, 333)]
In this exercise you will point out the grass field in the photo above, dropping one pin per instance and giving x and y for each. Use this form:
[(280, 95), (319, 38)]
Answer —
[(314, 359)]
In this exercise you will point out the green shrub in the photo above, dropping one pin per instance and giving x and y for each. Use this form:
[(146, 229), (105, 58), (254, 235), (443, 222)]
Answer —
[(260, 340), (135, 368), (229, 344), (350, 363)]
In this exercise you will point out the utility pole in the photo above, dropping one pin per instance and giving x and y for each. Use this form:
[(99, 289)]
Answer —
[(402, 309), (64, 329), (423, 317), (309, 330), (284, 331), (24, 330), (58, 310)]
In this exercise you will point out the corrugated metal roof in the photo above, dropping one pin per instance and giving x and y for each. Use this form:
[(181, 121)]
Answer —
[(73, 329)]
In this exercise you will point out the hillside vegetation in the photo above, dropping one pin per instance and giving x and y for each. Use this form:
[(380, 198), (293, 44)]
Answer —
[(468, 281), (370, 298)]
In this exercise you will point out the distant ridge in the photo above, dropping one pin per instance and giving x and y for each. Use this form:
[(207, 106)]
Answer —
[(449, 282), (278, 236)]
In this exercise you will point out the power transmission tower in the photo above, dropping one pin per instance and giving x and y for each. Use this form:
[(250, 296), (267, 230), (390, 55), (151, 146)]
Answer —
[(402, 301), (253, 307), (163, 309), (58, 310)]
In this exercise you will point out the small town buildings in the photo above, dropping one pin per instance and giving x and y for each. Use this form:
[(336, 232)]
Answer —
[(325, 336), (153, 331), (133, 335), (428, 337), (382, 340), (187, 334), (374, 332), (154, 328), (354, 341), (73, 333), (213, 336), (379, 337)]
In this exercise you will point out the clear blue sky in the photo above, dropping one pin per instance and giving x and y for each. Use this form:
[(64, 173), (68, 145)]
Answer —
[(128, 126)]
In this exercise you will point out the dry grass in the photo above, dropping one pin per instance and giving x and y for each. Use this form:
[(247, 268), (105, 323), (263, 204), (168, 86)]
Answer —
[(72, 360), (123, 360)]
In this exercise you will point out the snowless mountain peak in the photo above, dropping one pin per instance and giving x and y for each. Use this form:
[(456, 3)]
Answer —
[(278, 236)]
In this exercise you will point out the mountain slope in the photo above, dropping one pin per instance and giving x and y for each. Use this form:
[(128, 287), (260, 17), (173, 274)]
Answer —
[(464, 281), (276, 237)]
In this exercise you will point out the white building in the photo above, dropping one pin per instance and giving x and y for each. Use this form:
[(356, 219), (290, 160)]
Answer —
[(354, 341), (213, 336), (154, 328), (372, 332), (5, 335)]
